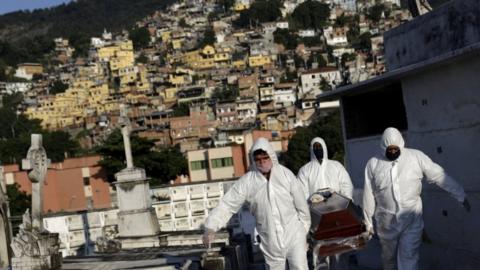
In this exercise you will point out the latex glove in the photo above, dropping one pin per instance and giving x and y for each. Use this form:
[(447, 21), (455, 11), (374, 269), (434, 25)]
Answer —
[(208, 237), (370, 232), (466, 205), (316, 198)]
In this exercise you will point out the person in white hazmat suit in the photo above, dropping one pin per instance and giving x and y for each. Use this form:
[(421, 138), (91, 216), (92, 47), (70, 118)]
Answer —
[(277, 201), (392, 188), (322, 173)]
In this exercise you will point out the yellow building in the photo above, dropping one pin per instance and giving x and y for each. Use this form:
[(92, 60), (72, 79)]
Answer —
[(239, 64), (119, 56), (177, 43), (239, 7), (259, 60), (169, 94), (166, 36), (72, 106)]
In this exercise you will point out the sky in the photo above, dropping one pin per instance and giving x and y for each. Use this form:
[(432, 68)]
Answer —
[(7, 6)]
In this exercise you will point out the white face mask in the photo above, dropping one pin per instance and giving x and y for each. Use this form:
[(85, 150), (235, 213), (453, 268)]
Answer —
[(265, 167)]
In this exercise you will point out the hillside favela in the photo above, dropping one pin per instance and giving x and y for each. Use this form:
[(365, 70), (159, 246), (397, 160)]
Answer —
[(240, 134)]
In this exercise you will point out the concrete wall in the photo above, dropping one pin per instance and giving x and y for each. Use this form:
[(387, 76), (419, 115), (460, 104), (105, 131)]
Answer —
[(450, 27), (197, 175), (443, 114), (222, 172), (447, 128)]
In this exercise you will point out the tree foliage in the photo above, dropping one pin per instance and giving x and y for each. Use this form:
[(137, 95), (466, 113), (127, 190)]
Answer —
[(58, 87), (311, 15), (181, 109), (375, 12), (286, 38), (347, 57), (259, 12), (226, 94), (328, 128), (140, 37), (162, 166), (208, 37), (16, 131), (20, 201), (30, 34)]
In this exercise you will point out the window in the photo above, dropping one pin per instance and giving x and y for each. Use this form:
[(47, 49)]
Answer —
[(86, 181), (198, 165), (222, 162), (370, 113)]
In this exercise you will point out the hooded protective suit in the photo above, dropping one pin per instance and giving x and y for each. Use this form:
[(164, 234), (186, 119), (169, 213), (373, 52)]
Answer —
[(280, 209), (392, 194), (328, 174)]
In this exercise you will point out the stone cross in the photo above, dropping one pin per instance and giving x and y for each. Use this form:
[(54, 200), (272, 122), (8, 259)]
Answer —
[(37, 164), (126, 130)]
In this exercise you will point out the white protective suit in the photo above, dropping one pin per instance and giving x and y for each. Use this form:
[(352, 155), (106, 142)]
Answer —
[(392, 194), (280, 209), (329, 174)]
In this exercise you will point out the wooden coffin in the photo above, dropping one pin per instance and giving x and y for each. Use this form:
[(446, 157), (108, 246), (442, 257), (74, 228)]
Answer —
[(335, 218)]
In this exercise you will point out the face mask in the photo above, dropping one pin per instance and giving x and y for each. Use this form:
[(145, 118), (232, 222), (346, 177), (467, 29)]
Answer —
[(390, 156), (266, 167), (318, 154)]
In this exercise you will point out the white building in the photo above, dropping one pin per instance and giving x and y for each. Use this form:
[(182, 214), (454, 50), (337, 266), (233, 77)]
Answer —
[(431, 94), (15, 87), (246, 110), (307, 33), (282, 25), (336, 36), (311, 80), (350, 5), (284, 94)]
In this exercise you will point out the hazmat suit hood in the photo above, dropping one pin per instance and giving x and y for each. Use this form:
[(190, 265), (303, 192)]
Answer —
[(391, 136), (327, 174), (324, 148), (262, 143)]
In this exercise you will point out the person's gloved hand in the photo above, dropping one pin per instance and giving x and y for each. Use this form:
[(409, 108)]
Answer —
[(317, 198), (370, 232), (208, 237), (466, 205)]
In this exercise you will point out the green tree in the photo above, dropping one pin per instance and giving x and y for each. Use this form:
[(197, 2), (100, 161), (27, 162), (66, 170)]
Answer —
[(81, 42), (226, 94), (183, 23), (208, 37), (286, 38), (88, 18), (162, 166), (375, 12), (347, 57), (20, 201), (58, 87), (328, 128), (316, 58), (311, 15), (181, 109), (364, 42), (16, 131), (140, 37), (324, 85), (259, 12)]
